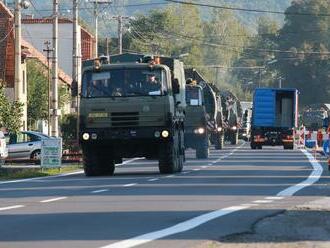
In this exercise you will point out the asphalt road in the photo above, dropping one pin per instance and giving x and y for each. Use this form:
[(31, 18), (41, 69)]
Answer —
[(223, 195)]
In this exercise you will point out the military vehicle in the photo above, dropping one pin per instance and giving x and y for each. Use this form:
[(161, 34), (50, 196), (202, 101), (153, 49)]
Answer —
[(245, 130), (123, 114), (203, 115), (316, 116), (232, 113)]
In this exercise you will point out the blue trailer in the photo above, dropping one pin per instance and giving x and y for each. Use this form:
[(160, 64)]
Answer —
[(274, 117)]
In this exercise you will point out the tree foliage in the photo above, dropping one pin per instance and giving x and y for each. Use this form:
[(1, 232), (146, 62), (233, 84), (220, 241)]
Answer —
[(10, 112)]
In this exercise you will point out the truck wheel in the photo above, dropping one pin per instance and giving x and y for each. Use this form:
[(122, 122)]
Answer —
[(288, 147), (97, 165), (220, 140), (169, 156), (253, 146), (259, 147), (202, 152), (182, 151)]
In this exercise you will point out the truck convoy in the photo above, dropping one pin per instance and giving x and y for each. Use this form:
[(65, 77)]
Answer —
[(274, 117), (132, 107), (203, 122)]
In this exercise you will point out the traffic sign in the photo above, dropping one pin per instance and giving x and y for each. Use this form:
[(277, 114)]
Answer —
[(326, 148), (51, 153)]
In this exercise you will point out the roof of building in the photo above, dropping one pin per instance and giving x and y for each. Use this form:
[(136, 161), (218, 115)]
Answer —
[(4, 9), (32, 52), (61, 20)]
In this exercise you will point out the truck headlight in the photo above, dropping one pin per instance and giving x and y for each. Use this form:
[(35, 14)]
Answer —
[(85, 136), (165, 134), (219, 129), (234, 128), (199, 130)]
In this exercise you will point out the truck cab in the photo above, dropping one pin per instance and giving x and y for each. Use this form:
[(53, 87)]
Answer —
[(125, 114)]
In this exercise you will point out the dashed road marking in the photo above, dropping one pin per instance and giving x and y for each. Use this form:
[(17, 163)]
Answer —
[(153, 179), (263, 201), (196, 169), (54, 199), (274, 198), (99, 191), (169, 176), (130, 185), (11, 207)]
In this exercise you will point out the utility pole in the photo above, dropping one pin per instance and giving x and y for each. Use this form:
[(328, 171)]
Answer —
[(280, 82), (76, 55), (107, 46), (55, 111), (120, 20), (96, 20), (48, 50), (20, 88)]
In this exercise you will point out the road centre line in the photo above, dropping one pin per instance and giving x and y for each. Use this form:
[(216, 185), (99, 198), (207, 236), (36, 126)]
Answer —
[(262, 201), (54, 199), (130, 185), (11, 207), (153, 179), (199, 220), (99, 191)]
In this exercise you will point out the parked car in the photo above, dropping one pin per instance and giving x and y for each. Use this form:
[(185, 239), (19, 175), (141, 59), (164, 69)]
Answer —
[(3, 148), (25, 145)]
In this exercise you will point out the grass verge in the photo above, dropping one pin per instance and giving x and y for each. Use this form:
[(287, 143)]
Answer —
[(22, 173)]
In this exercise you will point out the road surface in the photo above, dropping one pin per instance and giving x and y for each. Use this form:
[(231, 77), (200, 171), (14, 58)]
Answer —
[(223, 195)]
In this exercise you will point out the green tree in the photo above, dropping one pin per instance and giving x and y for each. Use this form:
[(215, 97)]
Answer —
[(306, 64), (10, 112)]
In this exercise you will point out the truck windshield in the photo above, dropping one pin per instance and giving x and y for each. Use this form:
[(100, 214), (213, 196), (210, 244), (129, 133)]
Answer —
[(124, 83), (193, 96)]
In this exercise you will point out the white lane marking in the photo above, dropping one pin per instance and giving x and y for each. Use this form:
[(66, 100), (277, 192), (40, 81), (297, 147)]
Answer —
[(99, 191), (153, 179), (54, 199), (204, 167), (196, 169), (169, 176), (210, 163), (186, 172), (313, 177), (129, 161), (263, 201), (11, 207), (130, 185), (179, 228), (274, 198), (250, 205)]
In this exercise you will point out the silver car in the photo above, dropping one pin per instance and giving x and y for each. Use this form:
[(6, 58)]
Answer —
[(25, 145)]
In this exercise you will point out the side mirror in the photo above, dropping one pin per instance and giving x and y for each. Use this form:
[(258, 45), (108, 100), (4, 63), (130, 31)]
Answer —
[(176, 86), (74, 88)]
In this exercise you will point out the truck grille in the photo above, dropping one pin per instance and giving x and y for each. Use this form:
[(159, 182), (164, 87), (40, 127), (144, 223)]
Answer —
[(125, 119)]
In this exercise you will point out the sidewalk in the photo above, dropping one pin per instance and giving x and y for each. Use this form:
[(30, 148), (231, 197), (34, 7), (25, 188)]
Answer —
[(304, 226)]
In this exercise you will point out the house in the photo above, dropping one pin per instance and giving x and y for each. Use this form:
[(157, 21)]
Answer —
[(37, 31)]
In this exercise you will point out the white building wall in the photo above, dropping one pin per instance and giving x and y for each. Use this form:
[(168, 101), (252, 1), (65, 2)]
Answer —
[(37, 34)]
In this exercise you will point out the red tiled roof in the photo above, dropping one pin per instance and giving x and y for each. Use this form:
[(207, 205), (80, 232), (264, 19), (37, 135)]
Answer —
[(32, 52)]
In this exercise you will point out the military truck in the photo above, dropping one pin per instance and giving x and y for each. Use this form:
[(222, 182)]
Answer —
[(123, 116), (232, 112), (316, 116), (203, 115)]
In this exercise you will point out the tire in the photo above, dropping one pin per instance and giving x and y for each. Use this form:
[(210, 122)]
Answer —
[(253, 146), (36, 156), (220, 141), (259, 147), (96, 164), (202, 152), (169, 156), (288, 147), (182, 158)]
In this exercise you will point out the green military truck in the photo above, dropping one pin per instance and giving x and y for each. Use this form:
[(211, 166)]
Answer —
[(124, 115), (196, 132), (203, 121)]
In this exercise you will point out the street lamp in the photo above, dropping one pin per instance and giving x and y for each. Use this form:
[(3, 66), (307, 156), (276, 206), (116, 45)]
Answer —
[(20, 87)]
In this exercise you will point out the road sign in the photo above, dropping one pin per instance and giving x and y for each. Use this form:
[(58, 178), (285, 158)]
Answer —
[(51, 153), (326, 147)]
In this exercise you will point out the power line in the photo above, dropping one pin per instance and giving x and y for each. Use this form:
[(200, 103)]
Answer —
[(248, 10)]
